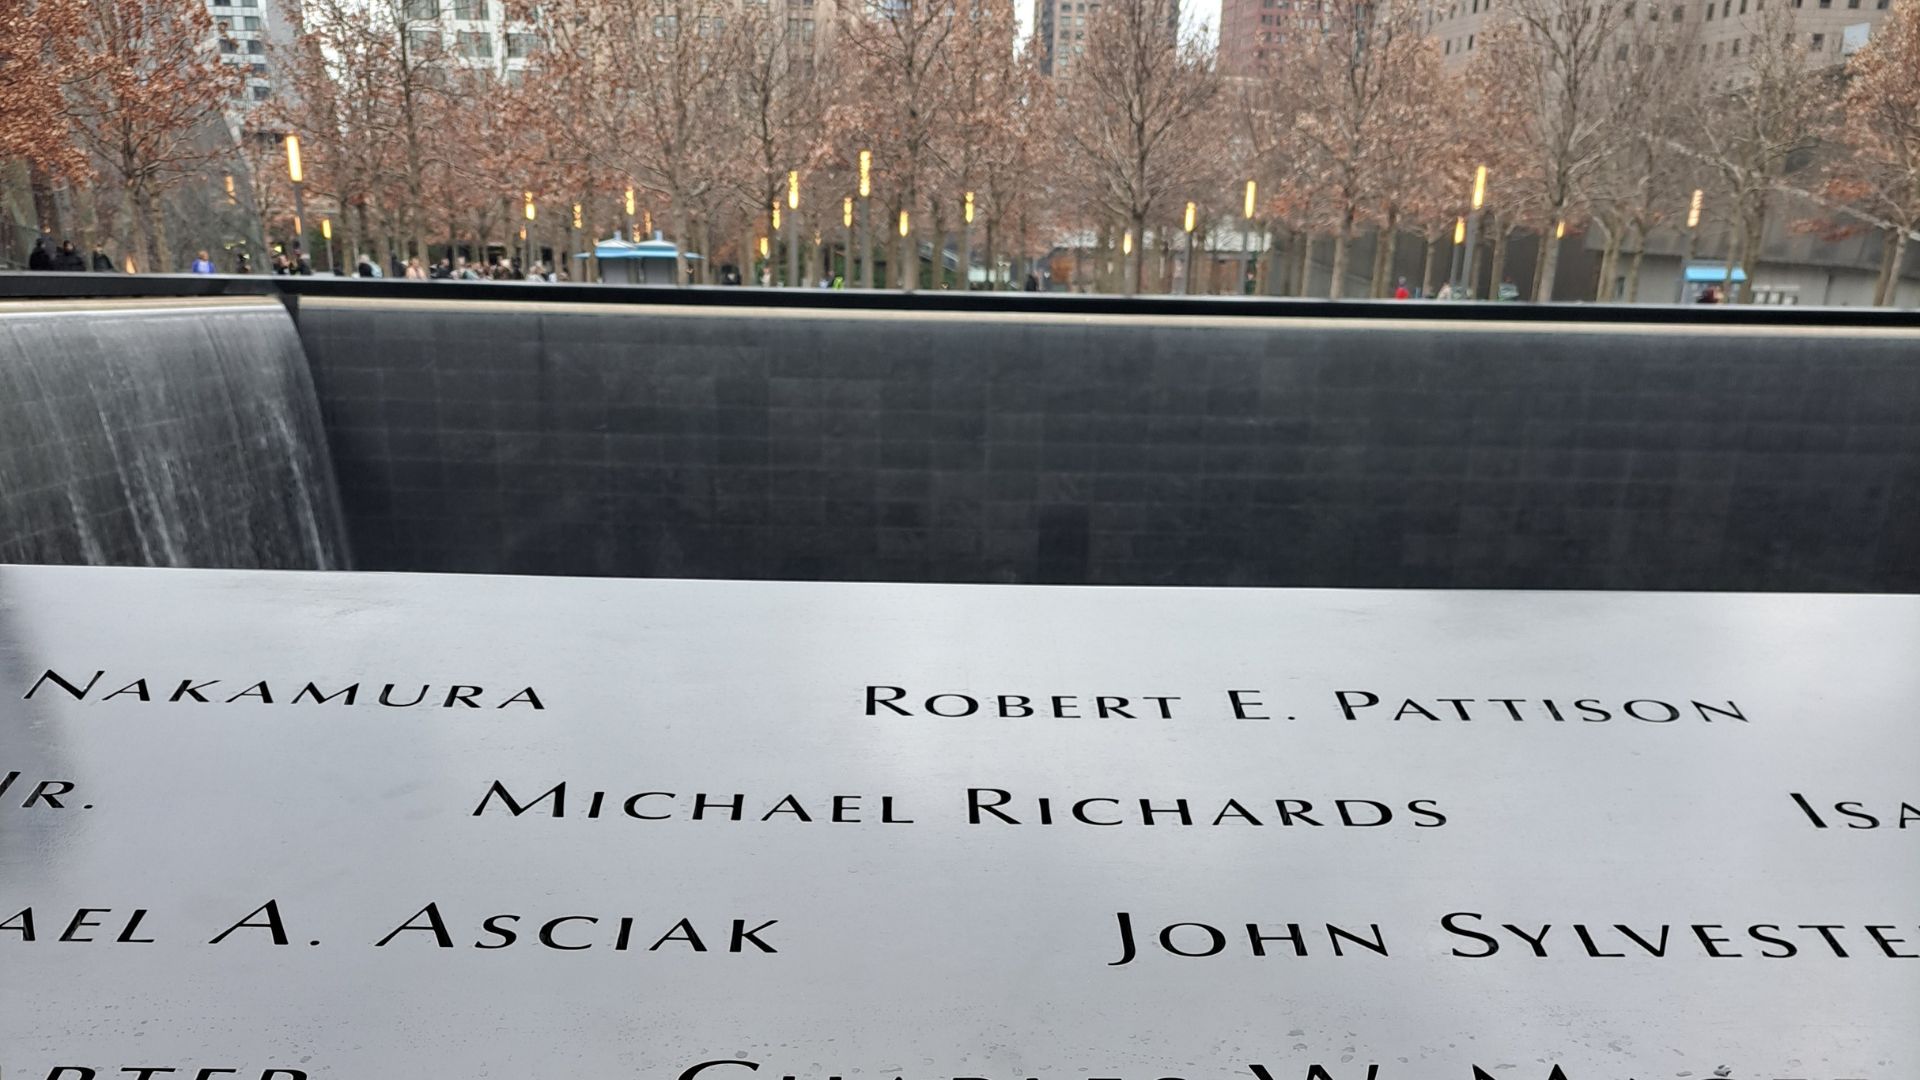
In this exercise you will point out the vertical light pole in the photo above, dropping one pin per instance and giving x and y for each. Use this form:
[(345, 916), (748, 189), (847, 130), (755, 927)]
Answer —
[(633, 226), (773, 260), (794, 238), (297, 176), (326, 241), (910, 264), (573, 237), (866, 222), (1192, 217), (1246, 239), (1473, 228), (1693, 239), (846, 240), (526, 234), (1126, 255), (966, 243), (1459, 242)]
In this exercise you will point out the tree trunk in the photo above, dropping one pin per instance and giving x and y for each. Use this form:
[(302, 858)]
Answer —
[(1549, 264), (1603, 289), (966, 256), (681, 231), (46, 206), (1428, 262), (1306, 264), (1893, 279), (162, 262), (1633, 268), (1377, 279), (1392, 245), (1336, 289), (1889, 260), (1498, 270), (1750, 255)]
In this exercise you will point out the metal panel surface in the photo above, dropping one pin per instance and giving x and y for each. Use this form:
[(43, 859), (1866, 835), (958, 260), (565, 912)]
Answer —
[(1376, 834)]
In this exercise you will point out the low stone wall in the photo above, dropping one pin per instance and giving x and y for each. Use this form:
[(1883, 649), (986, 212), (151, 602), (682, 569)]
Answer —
[(588, 439)]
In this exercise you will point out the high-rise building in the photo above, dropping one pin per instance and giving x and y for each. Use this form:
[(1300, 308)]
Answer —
[(1060, 29), (1724, 33), (248, 31), (1251, 32)]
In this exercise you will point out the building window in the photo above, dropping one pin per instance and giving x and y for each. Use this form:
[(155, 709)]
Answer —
[(229, 46), (256, 46), (250, 22), (1817, 42), (1736, 46), (1709, 11), (469, 9), (668, 26), (259, 70), (423, 9), (422, 41), (1469, 42), (474, 45), (519, 46), (261, 93), (1679, 14)]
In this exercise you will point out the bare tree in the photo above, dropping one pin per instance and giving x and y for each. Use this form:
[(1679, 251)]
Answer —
[(1549, 61), (900, 94), (150, 109), (1362, 79), (1879, 168), (1139, 114), (1764, 125)]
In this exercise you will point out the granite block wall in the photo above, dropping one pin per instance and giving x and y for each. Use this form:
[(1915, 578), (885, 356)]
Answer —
[(591, 439)]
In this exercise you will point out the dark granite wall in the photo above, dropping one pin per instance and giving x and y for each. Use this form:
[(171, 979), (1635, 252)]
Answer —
[(533, 438)]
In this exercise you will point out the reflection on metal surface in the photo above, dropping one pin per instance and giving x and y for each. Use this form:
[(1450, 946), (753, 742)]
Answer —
[(343, 826)]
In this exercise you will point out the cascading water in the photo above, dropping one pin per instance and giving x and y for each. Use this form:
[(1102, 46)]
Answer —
[(144, 434)]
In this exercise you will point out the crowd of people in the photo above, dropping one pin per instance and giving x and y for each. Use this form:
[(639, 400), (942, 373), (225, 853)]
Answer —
[(65, 257)]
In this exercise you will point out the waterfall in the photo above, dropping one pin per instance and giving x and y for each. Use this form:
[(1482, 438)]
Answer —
[(162, 434)]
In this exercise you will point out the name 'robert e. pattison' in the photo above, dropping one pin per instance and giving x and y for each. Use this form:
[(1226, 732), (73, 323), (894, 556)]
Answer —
[(886, 702)]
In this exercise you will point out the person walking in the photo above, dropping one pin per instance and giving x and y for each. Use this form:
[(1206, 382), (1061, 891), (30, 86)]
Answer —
[(42, 256), (104, 265), (1401, 292), (201, 264), (67, 260)]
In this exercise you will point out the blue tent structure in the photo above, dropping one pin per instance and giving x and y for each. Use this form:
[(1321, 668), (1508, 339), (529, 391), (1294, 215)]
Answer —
[(1697, 277), (1712, 273), (649, 262)]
